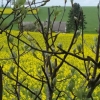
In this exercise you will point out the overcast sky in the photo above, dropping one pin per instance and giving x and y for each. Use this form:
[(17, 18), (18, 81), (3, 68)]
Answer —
[(61, 2), (81, 2)]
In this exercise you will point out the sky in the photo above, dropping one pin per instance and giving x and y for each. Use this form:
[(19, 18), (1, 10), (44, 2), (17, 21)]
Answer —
[(61, 2), (81, 2)]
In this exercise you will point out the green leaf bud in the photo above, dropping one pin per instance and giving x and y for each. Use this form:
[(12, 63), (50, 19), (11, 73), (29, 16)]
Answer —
[(78, 32), (26, 47), (74, 50), (79, 48), (53, 65), (71, 85), (24, 10), (72, 70), (53, 48), (54, 81), (60, 45), (14, 55), (29, 38), (11, 39), (12, 69), (75, 18)]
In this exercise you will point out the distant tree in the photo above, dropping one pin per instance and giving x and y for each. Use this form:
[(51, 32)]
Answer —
[(74, 14)]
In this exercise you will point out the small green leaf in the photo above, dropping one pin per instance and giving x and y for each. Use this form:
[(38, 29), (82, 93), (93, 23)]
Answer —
[(12, 69), (54, 81), (60, 45), (72, 70), (79, 48), (53, 65), (95, 39), (29, 38), (78, 33), (47, 54), (24, 10), (56, 13), (91, 64), (26, 47), (71, 85), (14, 55), (79, 94), (53, 48), (11, 39), (75, 18), (74, 50)]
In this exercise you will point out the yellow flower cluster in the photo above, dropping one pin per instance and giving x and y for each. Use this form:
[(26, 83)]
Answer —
[(32, 66)]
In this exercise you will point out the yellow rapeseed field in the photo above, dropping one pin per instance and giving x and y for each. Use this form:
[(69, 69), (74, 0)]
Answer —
[(32, 65), (9, 10)]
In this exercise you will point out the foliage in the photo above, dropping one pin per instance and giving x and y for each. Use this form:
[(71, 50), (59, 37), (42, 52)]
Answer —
[(74, 14)]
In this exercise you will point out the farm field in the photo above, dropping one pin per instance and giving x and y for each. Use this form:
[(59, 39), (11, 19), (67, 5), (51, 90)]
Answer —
[(29, 63), (9, 10), (90, 13)]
